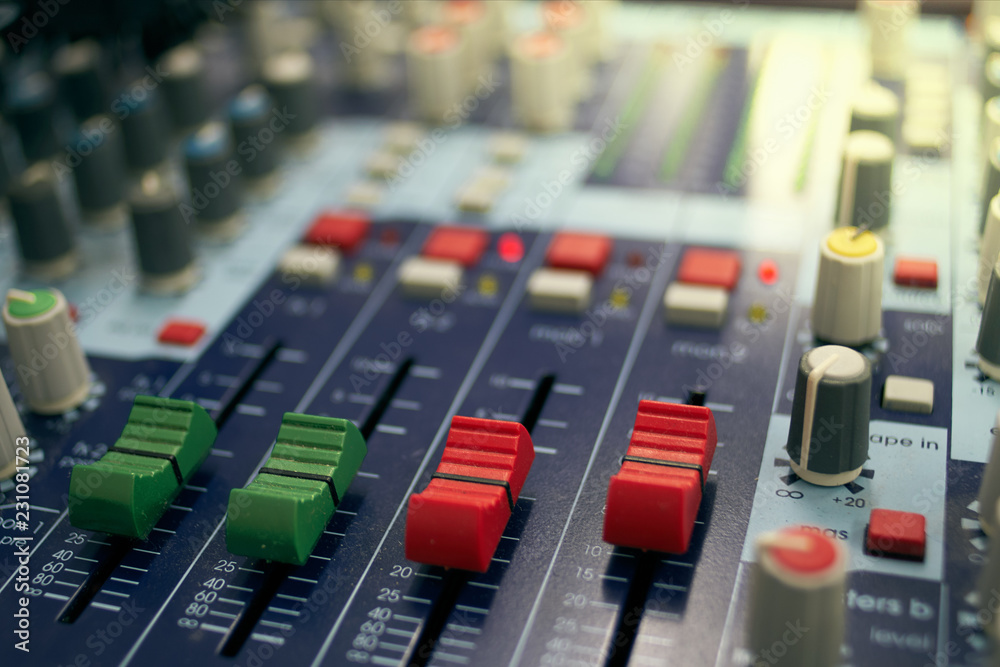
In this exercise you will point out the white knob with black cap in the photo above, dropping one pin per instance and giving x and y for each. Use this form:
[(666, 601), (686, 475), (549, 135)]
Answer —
[(991, 182), (185, 86), (101, 174), (216, 184), (146, 128), (53, 373), (796, 603), (162, 237), (31, 106), (875, 108), (257, 143), (828, 433), (847, 308), (83, 77), (11, 431), (989, 248), (290, 77), (44, 235), (989, 488), (865, 194)]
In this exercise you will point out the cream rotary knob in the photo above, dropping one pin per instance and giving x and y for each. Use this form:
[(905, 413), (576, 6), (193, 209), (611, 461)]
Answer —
[(797, 599), (437, 71), (51, 369), (847, 308), (541, 91), (11, 431)]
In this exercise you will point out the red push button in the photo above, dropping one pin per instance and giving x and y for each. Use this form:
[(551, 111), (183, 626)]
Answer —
[(181, 332), (653, 500), (584, 252), (705, 266), (898, 534), (458, 519), (344, 229), (464, 245), (916, 272)]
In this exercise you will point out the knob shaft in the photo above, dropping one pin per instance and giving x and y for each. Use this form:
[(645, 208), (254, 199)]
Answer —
[(185, 86), (83, 77), (797, 591), (847, 308), (44, 235), (216, 187), (865, 194), (989, 248), (256, 141), (102, 172), (875, 108), (32, 108), (146, 129), (991, 185), (52, 371), (988, 343), (162, 238), (828, 434), (989, 488), (291, 79)]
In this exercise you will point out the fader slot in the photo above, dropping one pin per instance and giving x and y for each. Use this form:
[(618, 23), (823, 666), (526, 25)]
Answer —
[(274, 575), (534, 410), (630, 613), (381, 404), (112, 557), (423, 647), (244, 381)]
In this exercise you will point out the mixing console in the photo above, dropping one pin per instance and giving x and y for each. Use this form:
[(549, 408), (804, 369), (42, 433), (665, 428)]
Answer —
[(500, 333)]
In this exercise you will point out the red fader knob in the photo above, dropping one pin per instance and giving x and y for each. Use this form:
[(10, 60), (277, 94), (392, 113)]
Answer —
[(653, 500), (458, 519)]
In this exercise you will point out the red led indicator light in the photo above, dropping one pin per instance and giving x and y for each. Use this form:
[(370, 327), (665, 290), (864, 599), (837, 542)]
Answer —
[(510, 247), (389, 236), (768, 272)]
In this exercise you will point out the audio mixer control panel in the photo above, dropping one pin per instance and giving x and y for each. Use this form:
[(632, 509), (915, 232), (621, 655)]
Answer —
[(501, 333)]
